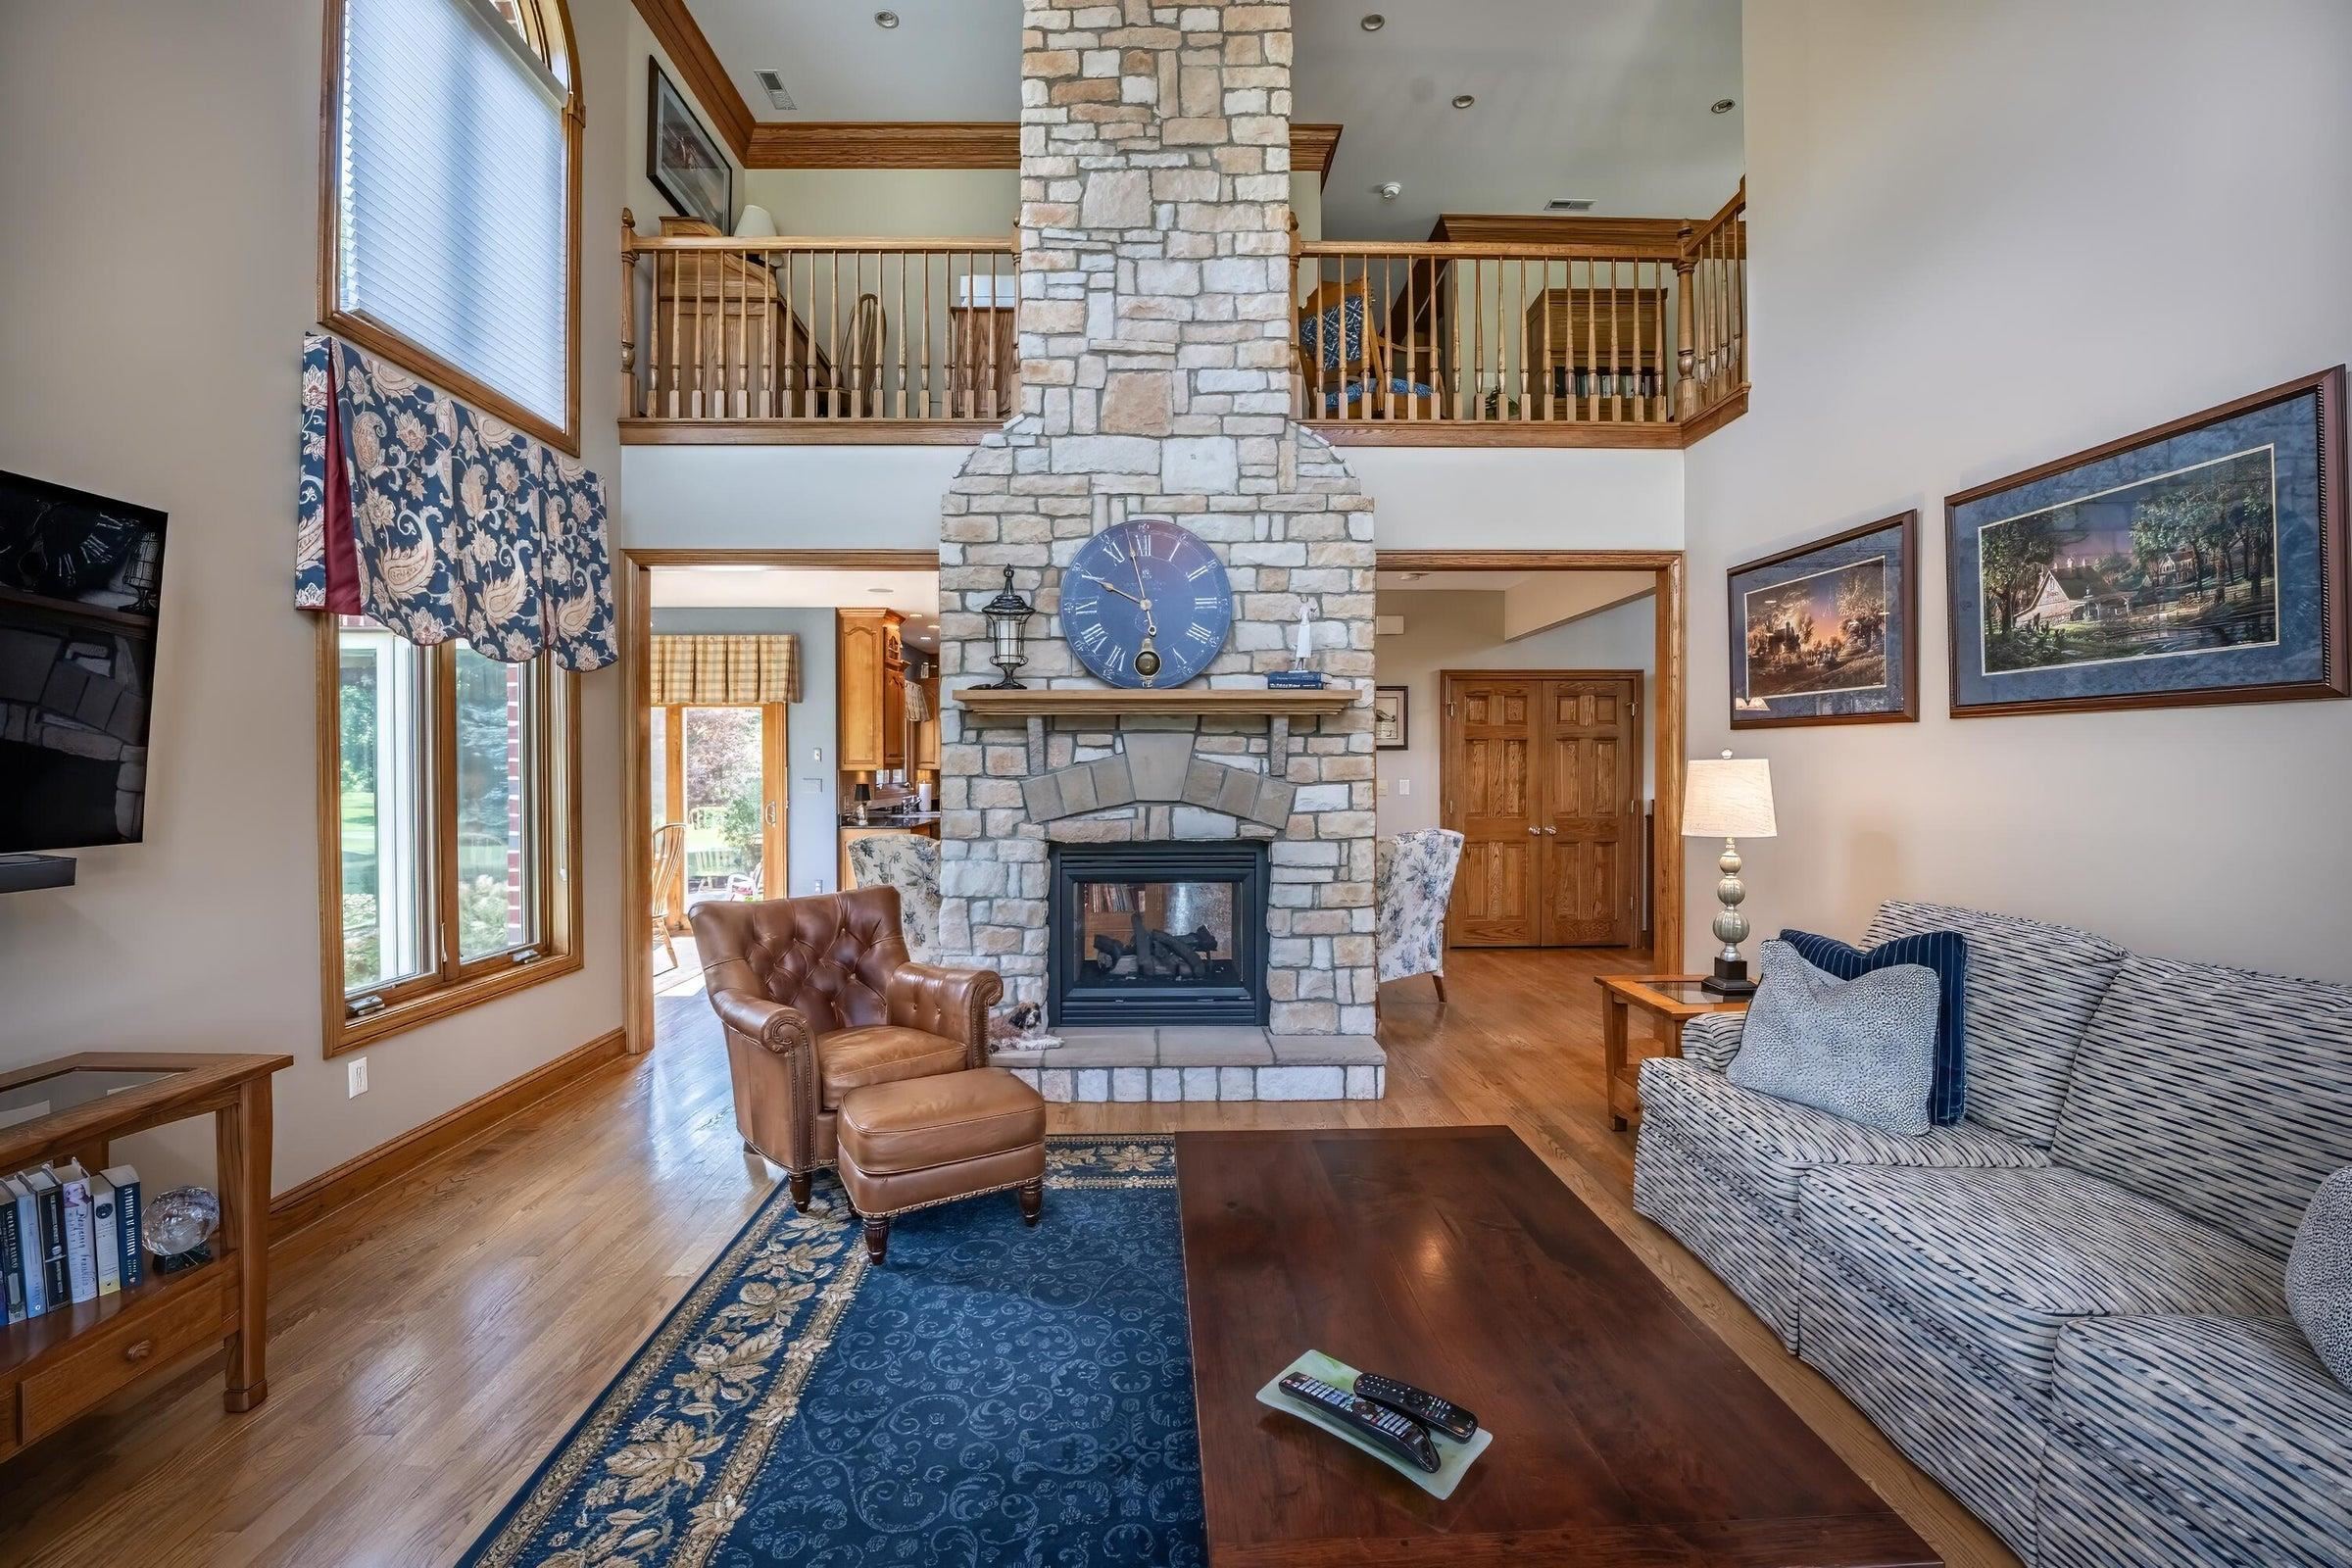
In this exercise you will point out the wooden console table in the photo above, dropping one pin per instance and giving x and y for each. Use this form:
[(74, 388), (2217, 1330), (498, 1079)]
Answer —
[(1674, 997), (56, 1366)]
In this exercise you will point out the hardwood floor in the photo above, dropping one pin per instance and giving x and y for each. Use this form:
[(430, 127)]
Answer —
[(430, 1342)]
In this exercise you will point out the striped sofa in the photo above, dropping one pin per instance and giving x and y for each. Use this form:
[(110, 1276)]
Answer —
[(2069, 1307)]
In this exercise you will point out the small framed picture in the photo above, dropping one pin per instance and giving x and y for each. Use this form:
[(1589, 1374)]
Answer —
[(682, 159), (2199, 561), (1825, 633), (1389, 718)]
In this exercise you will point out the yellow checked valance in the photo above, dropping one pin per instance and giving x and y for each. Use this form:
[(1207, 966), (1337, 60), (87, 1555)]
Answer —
[(731, 668)]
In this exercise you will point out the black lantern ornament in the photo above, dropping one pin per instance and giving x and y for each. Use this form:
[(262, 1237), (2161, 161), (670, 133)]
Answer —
[(1008, 613)]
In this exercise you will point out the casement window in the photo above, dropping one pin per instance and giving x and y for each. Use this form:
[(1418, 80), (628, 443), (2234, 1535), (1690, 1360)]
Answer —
[(449, 236), (448, 799)]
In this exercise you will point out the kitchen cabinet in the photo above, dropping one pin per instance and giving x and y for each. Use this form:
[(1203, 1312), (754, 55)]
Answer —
[(872, 691)]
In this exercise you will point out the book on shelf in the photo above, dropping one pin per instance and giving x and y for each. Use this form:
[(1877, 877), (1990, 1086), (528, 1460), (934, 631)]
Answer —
[(28, 1214), (130, 1263), (106, 1242), (81, 1260), (50, 1200), (12, 1257)]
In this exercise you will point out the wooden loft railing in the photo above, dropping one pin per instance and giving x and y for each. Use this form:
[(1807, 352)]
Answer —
[(1635, 337), (896, 340)]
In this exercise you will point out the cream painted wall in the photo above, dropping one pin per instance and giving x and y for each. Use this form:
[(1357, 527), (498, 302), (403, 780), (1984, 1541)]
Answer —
[(1984, 234), (1455, 629), (1529, 497), (170, 377)]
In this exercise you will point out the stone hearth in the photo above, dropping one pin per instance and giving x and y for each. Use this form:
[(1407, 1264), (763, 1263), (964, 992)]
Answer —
[(1175, 1065), (1157, 356)]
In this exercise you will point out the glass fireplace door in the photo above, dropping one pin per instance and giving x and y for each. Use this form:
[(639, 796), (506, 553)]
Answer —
[(1152, 934)]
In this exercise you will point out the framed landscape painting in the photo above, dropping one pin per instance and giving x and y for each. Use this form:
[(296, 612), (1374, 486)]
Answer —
[(682, 159), (2200, 562), (1826, 633)]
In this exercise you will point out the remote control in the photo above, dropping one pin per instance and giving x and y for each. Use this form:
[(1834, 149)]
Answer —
[(1419, 1404), (1400, 1435)]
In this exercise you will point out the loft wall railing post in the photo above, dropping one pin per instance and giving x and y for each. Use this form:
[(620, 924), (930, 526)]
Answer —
[(628, 315)]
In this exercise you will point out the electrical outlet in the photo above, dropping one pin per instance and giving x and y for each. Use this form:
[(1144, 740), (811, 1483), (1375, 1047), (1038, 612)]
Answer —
[(1404, 786), (357, 1071), (816, 754)]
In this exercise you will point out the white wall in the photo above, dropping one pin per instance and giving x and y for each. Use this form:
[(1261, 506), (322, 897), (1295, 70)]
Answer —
[(812, 834), (1987, 234), (1529, 497), (169, 374), (1457, 629)]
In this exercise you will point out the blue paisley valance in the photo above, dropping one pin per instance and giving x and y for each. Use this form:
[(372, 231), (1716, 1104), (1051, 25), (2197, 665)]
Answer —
[(439, 521)]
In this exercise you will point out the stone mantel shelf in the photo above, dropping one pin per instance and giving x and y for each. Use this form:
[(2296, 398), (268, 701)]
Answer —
[(1085, 702)]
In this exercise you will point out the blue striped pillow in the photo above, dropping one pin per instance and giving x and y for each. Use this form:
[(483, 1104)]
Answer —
[(1945, 952)]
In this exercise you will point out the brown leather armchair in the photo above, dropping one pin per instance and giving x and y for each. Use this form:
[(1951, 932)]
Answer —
[(819, 998)]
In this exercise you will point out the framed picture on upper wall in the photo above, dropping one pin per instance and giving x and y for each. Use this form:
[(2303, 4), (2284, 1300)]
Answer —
[(681, 159), (1391, 716), (2199, 561), (1825, 633)]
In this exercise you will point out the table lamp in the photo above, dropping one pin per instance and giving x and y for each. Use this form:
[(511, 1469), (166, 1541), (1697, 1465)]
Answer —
[(1728, 798)]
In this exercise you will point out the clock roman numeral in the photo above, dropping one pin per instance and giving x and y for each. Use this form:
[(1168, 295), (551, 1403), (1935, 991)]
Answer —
[(1200, 634), (1092, 637), (1200, 571), (1110, 548), (1114, 660), (1083, 606), (1207, 602)]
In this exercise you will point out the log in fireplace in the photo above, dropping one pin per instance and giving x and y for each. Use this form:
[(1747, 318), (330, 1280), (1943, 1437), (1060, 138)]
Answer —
[(1158, 933)]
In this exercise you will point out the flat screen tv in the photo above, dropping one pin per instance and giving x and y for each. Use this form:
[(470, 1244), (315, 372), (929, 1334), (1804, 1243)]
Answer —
[(80, 580)]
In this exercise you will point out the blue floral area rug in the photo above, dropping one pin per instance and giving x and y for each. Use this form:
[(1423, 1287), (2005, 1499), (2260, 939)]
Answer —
[(992, 1395)]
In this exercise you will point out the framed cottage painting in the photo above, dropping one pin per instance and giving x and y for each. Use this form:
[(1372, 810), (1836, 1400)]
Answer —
[(2199, 561), (1391, 718), (683, 162), (1826, 633)]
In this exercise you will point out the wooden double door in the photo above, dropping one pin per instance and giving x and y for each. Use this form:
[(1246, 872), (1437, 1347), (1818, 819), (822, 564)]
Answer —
[(1540, 772)]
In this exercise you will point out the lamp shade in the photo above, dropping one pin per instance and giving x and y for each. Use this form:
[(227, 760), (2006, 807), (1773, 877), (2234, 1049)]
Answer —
[(1728, 798), (754, 223)]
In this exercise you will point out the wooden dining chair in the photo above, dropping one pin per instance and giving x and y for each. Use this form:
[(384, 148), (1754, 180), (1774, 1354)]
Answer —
[(670, 854)]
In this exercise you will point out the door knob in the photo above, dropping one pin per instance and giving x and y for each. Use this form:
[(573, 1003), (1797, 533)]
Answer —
[(1533, 829), (1551, 830)]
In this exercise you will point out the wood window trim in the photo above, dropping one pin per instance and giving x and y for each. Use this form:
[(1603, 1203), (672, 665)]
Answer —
[(380, 340), (557, 808)]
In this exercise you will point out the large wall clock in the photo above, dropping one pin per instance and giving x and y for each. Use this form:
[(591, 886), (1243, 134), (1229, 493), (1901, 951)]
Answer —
[(1146, 603)]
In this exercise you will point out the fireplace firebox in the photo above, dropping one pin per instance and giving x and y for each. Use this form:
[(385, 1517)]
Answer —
[(1161, 933)]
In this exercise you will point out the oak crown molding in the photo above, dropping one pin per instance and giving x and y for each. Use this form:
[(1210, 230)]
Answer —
[(866, 144)]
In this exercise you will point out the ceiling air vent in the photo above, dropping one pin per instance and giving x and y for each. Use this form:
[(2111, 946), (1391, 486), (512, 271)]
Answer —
[(1569, 203), (778, 94)]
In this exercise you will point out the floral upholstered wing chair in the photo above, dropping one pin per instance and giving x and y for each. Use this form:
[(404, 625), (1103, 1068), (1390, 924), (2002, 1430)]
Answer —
[(1414, 880), (909, 862)]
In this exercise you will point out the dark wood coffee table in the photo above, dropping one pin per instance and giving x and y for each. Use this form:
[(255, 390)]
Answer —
[(1625, 1433)]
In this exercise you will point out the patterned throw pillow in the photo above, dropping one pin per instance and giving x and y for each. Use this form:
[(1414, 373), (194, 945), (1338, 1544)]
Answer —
[(1945, 952), (1861, 1049), (2319, 1275)]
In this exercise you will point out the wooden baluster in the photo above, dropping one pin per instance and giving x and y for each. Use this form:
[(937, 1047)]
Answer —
[(930, 365), (1685, 388), (671, 263), (1739, 290), (702, 338), (1415, 374), (1515, 339), (1616, 361), (628, 315), (1478, 339)]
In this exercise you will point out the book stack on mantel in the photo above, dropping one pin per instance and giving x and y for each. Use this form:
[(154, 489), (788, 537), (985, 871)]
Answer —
[(66, 1236)]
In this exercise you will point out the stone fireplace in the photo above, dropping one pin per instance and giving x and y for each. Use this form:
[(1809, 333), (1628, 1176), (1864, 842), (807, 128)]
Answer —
[(1156, 340)]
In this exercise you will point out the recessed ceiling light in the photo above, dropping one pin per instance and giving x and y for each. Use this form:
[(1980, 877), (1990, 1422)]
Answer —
[(885, 19), (1722, 106), (1389, 191), (1463, 100), (1374, 23)]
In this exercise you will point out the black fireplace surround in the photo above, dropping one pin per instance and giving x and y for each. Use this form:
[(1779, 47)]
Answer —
[(1161, 933)]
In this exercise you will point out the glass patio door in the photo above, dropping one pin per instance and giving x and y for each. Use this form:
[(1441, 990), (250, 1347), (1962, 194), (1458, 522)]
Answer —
[(721, 776)]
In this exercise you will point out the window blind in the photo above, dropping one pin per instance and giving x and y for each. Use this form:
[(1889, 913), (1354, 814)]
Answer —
[(452, 192)]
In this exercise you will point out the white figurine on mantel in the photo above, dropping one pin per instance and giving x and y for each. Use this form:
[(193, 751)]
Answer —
[(1306, 650)]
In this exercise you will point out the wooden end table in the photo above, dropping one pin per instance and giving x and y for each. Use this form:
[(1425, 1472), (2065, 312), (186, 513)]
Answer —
[(54, 1367), (1676, 997)]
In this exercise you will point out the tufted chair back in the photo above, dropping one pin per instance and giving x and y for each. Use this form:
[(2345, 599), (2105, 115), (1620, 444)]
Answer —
[(829, 956)]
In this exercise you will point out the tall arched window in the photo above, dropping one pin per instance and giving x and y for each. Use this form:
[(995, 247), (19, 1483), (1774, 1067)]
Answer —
[(449, 236)]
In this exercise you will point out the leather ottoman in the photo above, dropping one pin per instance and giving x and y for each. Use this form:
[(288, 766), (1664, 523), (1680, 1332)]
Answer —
[(924, 1140)]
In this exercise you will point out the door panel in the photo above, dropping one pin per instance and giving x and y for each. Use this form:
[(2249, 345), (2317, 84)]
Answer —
[(1590, 810), (1490, 760)]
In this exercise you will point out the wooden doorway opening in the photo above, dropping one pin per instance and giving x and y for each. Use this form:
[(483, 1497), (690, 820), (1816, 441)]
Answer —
[(1659, 727), (1540, 772), (635, 569)]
